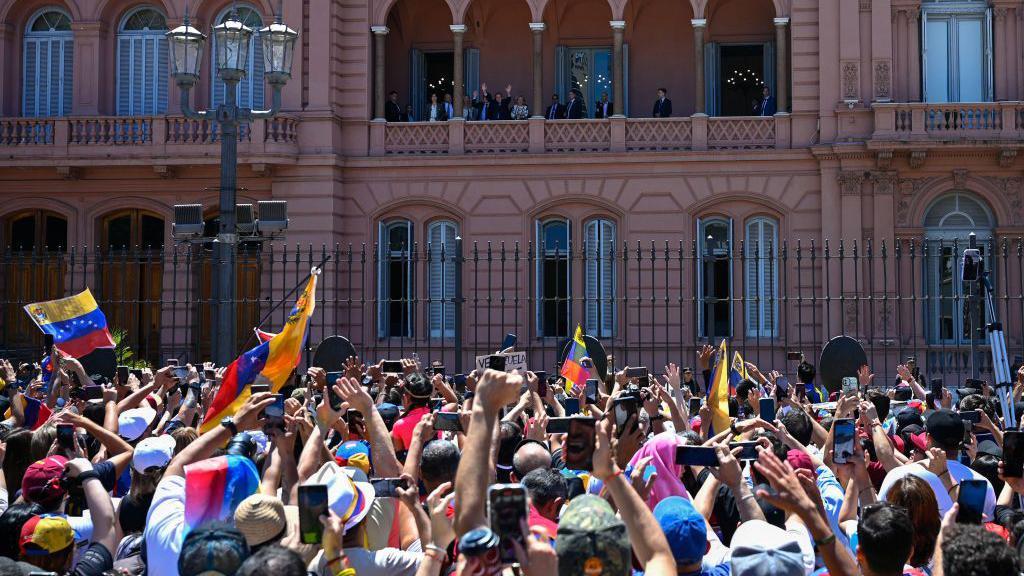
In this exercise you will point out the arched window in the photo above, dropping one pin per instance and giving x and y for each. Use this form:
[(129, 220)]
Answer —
[(714, 277), (761, 280), (142, 64), (34, 270), (947, 223), (554, 283), (599, 278), (395, 280), (441, 278), (48, 64), (250, 88)]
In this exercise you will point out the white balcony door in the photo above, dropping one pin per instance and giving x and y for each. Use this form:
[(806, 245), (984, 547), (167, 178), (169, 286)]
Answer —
[(956, 50), (142, 64), (49, 57)]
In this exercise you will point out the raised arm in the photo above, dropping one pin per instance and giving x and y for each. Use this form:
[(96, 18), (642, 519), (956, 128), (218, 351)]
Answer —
[(385, 463)]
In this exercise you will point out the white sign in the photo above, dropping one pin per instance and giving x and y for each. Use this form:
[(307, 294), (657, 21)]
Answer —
[(513, 361)]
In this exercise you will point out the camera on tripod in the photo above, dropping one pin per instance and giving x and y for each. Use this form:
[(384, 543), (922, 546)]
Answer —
[(973, 267)]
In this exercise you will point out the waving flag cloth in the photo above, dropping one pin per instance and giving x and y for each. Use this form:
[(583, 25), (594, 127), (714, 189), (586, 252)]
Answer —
[(272, 361), (263, 336), (77, 324), (214, 487), (36, 413), (573, 371), (737, 372), (718, 392)]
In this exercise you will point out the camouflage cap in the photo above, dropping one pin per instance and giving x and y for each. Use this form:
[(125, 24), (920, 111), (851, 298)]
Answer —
[(592, 541)]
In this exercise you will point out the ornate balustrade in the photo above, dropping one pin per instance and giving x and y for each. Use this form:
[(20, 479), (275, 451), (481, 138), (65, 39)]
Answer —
[(958, 121)]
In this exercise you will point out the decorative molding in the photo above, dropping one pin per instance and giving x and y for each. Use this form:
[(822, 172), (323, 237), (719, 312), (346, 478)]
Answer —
[(781, 21), (917, 158), (999, 12), (851, 314), (882, 80), (850, 80), (260, 169), (883, 181), (850, 182), (164, 171), (379, 30), (865, 5), (1006, 157), (883, 160), (1010, 188), (68, 172), (906, 189), (960, 177)]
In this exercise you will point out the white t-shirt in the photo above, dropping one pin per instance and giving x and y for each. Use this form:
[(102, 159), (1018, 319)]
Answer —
[(957, 471), (383, 562), (165, 527)]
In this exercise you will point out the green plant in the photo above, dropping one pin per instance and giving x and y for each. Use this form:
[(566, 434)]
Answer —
[(123, 352)]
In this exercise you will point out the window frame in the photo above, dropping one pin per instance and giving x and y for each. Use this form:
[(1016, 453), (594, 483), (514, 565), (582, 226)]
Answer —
[(563, 80), (599, 259), (702, 224), (542, 256), (386, 256), (764, 298), (65, 39), (952, 12), (159, 66), (445, 259)]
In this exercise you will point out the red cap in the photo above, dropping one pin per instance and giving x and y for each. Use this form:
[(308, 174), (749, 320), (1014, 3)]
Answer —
[(897, 442), (919, 441), (41, 483), (798, 459)]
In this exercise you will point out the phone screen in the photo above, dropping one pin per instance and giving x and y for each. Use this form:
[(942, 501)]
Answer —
[(579, 446), (1013, 454), (66, 435), (748, 452), (972, 416), (496, 362), (92, 392), (696, 456), (391, 367), (591, 391), (936, 388), (508, 509), (572, 406), (636, 372), (312, 504), (624, 408), (260, 388), (180, 372), (972, 501), (122, 374), (276, 410), (558, 425), (387, 487), (509, 341), (447, 422), (767, 409), (843, 440), (694, 407)]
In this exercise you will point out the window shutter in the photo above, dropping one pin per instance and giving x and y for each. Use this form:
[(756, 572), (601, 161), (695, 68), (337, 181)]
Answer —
[(49, 80), (382, 281), (441, 280), (711, 75), (448, 260), (761, 290), (700, 277), (124, 75), (30, 98), (217, 87), (753, 278), (66, 72), (416, 82), (162, 75), (591, 287), (771, 283), (562, 71), (256, 67), (607, 241), (471, 70)]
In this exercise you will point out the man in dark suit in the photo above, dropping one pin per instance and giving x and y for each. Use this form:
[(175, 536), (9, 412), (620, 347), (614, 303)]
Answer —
[(766, 105), (603, 108), (574, 107), (555, 111), (501, 107), (392, 111), (662, 106)]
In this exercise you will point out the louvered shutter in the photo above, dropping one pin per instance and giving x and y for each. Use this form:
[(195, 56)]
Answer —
[(607, 275), (124, 75), (162, 75), (30, 98), (599, 282), (760, 278), (441, 280), (49, 59), (67, 46), (591, 283)]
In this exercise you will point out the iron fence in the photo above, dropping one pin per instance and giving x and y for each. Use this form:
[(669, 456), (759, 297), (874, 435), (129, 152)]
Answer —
[(650, 301)]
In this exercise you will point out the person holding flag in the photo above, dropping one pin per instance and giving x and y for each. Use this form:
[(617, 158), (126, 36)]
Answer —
[(575, 370), (77, 324), (719, 392)]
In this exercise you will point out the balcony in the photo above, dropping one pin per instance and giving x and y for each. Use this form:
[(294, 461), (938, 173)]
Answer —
[(960, 122), (539, 136), (130, 139)]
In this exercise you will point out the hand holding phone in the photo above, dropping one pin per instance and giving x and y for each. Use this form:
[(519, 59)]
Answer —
[(697, 456), (387, 487), (448, 422), (843, 438), (312, 505), (972, 501), (507, 505)]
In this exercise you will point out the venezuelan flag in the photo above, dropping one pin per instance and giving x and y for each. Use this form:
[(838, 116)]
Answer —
[(575, 374), (273, 361), (737, 372), (36, 413), (214, 487), (718, 392), (77, 324), (263, 336)]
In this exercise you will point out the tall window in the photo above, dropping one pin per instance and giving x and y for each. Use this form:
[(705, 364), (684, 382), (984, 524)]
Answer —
[(395, 280), (599, 281), (553, 280), (947, 225), (441, 279), (49, 60), (956, 50), (714, 278), (142, 65), (250, 89), (35, 241), (589, 72), (761, 281)]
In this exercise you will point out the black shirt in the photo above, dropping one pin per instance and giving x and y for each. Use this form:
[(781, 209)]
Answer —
[(94, 561)]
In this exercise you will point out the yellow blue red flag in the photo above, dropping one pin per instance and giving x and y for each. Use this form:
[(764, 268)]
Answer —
[(271, 361), (574, 372), (718, 392), (77, 324), (737, 372)]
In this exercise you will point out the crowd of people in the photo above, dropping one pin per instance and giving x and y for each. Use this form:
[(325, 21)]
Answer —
[(487, 105), (401, 469)]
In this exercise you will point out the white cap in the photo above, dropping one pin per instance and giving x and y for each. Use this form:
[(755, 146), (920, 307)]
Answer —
[(133, 423), (155, 451)]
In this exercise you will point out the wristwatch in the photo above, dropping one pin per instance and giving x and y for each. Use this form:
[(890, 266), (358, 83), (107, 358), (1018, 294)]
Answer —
[(229, 423), (87, 474)]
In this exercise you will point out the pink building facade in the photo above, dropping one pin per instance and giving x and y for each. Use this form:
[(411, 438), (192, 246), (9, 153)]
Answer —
[(893, 129)]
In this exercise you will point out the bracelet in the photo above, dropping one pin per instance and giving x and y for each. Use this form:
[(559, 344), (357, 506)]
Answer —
[(614, 474), (944, 473), (732, 428), (438, 549), (88, 474), (746, 497), (825, 541)]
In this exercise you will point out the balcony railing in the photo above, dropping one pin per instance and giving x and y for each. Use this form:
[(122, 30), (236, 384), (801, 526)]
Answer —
[(949, 121), (134, 136), (538, 135)]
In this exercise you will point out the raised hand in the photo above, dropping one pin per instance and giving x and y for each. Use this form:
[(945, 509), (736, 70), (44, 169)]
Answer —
[(354, 368), (497, 389), (671, 377), (864, 376), (704, 356), (358, 398)]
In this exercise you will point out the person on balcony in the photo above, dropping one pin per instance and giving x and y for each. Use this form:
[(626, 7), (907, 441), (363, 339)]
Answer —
[(500, 107), (410, 115), (449, 109), (520, 111), (436, 111), (766, 105), (662, 106), (469, 111), (392, 110), (574, 107), (603, 108), (555, 111)]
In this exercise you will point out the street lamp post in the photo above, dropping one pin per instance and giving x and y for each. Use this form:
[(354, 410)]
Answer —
[(232, 39)]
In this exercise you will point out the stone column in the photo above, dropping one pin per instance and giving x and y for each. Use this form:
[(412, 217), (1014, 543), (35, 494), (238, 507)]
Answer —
[(537, 29), (699, 24), (380, 34), (89, 92), (458, 84), (781, 64), (618, 90), (914, 53)]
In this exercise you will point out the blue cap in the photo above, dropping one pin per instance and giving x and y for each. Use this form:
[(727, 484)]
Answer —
[(388, 412), (684, 527)]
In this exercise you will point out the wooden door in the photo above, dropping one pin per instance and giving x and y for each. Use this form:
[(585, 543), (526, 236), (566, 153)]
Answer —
[(33, 268)]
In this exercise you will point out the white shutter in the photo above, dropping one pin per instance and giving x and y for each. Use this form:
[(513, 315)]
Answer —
[(441, 280), (591, 282), (607, 252), (761, 290)]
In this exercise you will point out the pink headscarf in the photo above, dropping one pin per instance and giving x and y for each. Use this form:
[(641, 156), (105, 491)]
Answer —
[(662, 450)]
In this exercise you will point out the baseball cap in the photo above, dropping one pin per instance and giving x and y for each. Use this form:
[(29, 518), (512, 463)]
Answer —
[(349, 492), (592, 540), (990, 447), (684, 528), (41, 482), (45, 535), (216, 548), (907, 417), (945, 427), (133, 423), (760, 549), (355, 453), (389, 413), (262, 519), (799, 459), (153, 452)]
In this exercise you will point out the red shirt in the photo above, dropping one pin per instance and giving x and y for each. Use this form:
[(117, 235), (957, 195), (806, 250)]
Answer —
[(535, 520), (405, 425)]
